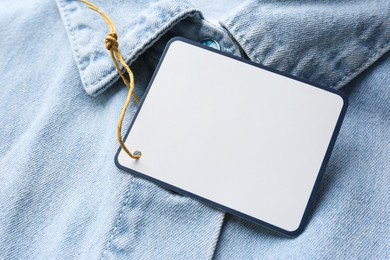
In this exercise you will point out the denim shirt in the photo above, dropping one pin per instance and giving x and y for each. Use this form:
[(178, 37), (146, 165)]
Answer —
[(61, 195)]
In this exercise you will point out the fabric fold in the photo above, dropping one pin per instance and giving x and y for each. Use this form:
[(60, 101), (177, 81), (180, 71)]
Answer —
[(138, 29), (329, 43)]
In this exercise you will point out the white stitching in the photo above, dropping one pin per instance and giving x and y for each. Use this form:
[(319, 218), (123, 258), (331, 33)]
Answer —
[(113, 231)]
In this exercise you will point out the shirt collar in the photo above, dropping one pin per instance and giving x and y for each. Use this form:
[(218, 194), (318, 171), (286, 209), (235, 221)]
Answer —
[(311, 41), (327, 42), (137, 27)]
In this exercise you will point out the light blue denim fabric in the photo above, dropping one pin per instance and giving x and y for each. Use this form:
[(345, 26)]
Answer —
[(61, 196)]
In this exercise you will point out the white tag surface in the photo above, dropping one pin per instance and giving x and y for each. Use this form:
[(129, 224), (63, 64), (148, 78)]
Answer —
[(234, 135)]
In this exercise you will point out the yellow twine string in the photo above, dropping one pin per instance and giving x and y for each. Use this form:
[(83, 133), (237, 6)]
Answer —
[(112, 47)]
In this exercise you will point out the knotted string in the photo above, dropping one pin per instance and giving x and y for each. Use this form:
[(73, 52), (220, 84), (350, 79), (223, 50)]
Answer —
[(112, 47)]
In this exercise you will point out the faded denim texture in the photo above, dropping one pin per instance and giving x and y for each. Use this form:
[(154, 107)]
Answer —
[(61, 195)]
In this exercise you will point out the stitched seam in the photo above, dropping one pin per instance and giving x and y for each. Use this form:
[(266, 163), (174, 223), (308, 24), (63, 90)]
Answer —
[(367, 62), (237, 45), (215, 241), (73, 39), (113, 231), (176, 17), (148, 44), (136, 52), (339, 83), (242, 39)]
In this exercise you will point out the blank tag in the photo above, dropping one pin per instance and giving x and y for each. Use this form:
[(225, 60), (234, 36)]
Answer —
[(235, 135)]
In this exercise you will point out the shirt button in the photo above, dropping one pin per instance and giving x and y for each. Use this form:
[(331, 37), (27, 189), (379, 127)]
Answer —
[(211, 43)]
